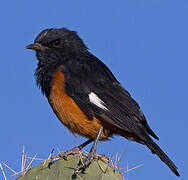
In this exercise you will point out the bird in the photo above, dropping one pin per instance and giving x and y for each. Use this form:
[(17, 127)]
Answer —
[(85, 95)]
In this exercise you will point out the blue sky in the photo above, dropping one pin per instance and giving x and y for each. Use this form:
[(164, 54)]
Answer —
[(143, 42)]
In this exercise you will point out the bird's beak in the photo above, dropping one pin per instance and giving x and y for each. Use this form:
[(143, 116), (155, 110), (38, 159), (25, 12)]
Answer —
[(35, 46)]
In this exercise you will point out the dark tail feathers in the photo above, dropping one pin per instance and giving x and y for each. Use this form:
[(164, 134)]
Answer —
[(155, 149)]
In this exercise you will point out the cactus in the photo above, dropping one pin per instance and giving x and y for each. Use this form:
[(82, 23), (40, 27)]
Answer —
[(64, 170)]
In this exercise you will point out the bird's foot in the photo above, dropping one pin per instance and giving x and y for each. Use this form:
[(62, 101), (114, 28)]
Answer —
[(72, 151), (84, 163), (92, 154)]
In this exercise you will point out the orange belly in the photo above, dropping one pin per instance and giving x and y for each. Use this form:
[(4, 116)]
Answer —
[(69, 112)]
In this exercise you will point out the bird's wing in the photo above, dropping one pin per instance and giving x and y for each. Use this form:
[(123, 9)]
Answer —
[(97, 92)]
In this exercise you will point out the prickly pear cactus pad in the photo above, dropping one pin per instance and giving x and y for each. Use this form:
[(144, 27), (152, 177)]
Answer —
[(64, 170)]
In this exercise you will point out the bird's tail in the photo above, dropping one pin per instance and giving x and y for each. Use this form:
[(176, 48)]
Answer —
[(155, 149)]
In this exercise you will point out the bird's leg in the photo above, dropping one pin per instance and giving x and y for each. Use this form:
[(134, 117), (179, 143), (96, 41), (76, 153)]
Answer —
[(91, 155), (75, 150)]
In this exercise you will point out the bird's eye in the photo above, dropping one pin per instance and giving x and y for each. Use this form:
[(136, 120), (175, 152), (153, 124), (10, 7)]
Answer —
[(56, 43)]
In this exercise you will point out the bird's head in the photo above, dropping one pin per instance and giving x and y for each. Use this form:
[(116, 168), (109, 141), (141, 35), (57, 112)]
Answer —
[(56, 44)]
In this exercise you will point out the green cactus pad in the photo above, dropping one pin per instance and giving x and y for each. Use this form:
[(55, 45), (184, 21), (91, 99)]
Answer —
[(64, 170)]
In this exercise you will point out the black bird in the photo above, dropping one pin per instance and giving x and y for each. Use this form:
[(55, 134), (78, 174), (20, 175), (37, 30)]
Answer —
[(85, 95)]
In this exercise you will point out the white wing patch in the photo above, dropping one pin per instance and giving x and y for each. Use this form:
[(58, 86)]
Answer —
[(97, 101)]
